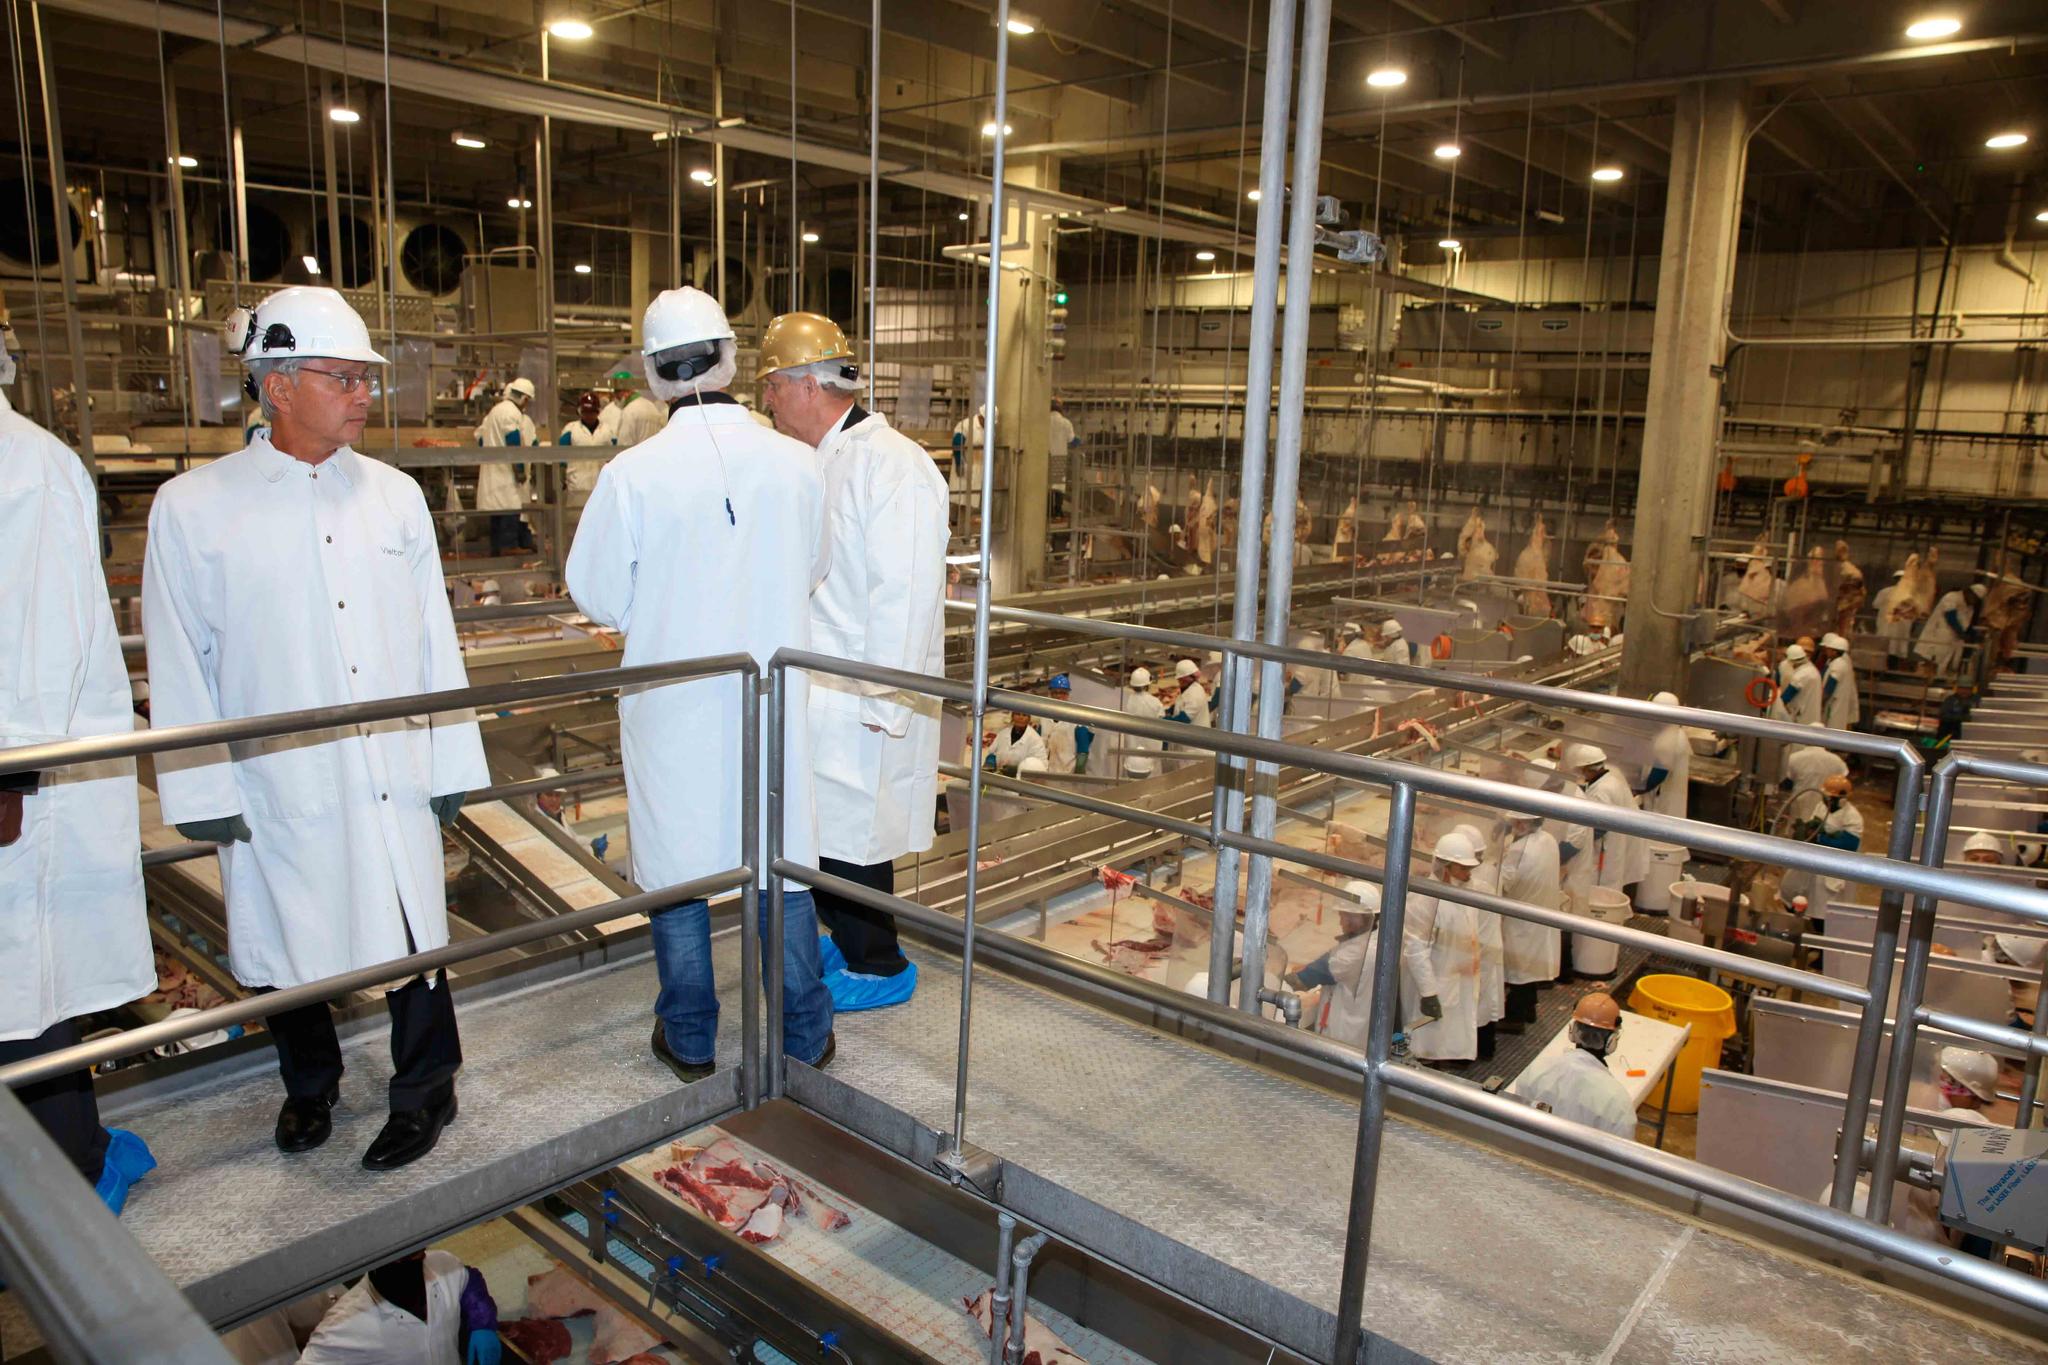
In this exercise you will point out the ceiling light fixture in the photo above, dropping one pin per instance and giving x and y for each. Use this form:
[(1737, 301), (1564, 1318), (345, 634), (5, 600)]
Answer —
[(469, 140), (571, 30), (2042, 216), (1607, 175), (187, 162), (1023, 25), (1252, 195), (1934, 26), (1999, 142), (516, 203), (312, 264), (1448, 151), (1387, 78), (810, 237), (1451, 244), (1205, 255), (582, 267), (703, 176), (963, 217), (989, 129), (341, 113)]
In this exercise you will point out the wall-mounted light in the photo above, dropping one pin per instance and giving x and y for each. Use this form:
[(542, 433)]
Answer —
[(1934, 26), (810, 237), (518, 203), (341, 113), (469, 140), (1387, 78), (1252, 195), (1607, 175), (1451, 244), (1448, 151), (570, 30), (1022, 24), (187, 162), (2042, 216), (989, 129), (312, 264), (703, 176), (1205, 255), (2000, 142), (582, 267), (963, 217)]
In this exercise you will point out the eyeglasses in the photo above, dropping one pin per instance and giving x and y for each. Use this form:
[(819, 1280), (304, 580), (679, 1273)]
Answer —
[(348, 383)]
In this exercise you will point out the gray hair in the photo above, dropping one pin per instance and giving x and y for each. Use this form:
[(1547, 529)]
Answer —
[(713, 380), (830, 375), (259, 370)]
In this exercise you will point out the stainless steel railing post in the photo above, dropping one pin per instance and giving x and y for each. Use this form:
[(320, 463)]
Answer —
[(1372, 1110), (778, 760), (750, 894)]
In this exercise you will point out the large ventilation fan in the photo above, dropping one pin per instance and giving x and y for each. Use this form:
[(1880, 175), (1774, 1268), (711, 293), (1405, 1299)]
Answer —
[(356, 266), (431, 259)]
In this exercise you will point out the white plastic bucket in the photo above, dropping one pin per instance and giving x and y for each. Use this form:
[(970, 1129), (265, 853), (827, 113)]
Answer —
[(1667, 864), (1598, 956)]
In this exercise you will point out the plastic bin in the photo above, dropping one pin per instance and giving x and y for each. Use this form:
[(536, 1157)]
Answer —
[(1688, 1000), (1597, 956), (1704, 904), (1667, 865)]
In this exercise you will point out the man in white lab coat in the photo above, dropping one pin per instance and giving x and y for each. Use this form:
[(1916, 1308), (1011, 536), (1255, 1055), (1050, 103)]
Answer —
[(587, 432), (1798, 697), (1492, 950), (1440, 962), (297, 573), (623, 382), (1194, 698), (1344, 974), (1576, 1084), (73, 937), (1948, 626), (1667, 786), (1141, 755), (1013, 744), (501, 487), (640, 417), (1066, 744), (1622, 858), (705, 539), (424, 1309), (1841, 703), (875, 749), (1531, 953)]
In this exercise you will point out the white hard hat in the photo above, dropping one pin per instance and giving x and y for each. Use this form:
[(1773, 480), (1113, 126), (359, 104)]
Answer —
[(1367, 893), (521, 386), (1033, 764), (1471, 832), (1350, 628), (2027, 952), (1391, 630), (1977, 1071), (1977, 590), (1457, 848), (1141, 677), (1983, 841), (678, 317), (298, 323), (1185, 669), (547, 770), (1834, 642), (1582, 756), (1795, 652), (1666, 699)]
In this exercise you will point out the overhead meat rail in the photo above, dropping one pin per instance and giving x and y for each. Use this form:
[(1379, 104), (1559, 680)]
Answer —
[(1404, 781)]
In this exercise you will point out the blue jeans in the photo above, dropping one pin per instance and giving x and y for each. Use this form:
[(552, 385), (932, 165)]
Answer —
[(688, 1004)]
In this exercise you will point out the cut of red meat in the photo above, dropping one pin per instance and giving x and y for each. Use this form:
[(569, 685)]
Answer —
[(737, 1173), (619, 1338), (764, 1226), (694, 1192), (540, 1340)]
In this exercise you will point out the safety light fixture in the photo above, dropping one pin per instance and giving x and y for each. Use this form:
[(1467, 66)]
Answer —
[(810, 237), (963, 217), (341, 113), (517, 203), (1205, 255), (1252, 195), (1387, 78), (1607, 175), (2042, 216), (1999, 142), (1022, 24), (583, 267), (469, 140), (1934, 26), (570, 30), (1448, 151), (187, 162), (1451, 244), (989, 129), (703, 176), (312, 264)]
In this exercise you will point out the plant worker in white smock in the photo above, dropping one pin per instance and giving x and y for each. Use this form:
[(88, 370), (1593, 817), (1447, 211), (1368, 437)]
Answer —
[(74, 939), (297, 573), (1576, 1084), (875, 749), (1440, 962), (1344, 974), (501, 487)]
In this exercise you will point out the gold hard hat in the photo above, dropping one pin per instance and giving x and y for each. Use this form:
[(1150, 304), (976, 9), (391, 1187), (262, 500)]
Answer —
[(802, 339)]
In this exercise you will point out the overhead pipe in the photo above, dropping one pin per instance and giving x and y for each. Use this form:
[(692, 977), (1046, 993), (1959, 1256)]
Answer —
[(1227, 804)]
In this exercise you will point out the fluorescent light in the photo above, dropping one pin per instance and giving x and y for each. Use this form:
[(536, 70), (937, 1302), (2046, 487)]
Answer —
[(1205, 255), (703, 176), (1607, 175), (1387, 77), (2042, 216), (989, 129), (187, 162), (582, 267), (1999, 142), (1448, 151), (341, 113), (312, 264), (1022, 25), (810, 237), (517, 203), (1934, 26), (1252, 195), (963, 217), (474, 143), (1451, 244), (572, 30)]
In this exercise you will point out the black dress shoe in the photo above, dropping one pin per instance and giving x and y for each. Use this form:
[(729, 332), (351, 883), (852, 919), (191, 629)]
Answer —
[(304, 1124), (408, 1135), (689, 1073), (831, 1051)]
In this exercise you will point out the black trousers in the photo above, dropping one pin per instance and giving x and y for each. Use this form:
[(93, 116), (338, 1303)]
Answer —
[(866, 937), (426, 1051), (1522, 1001), (64, 1105)]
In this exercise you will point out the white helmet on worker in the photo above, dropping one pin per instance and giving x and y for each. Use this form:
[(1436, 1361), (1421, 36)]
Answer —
[(1984, 841), (1665, 699), (1391, 629), (1975, 1071), (1582, 756), (1795, 653), (679, 317), (522, 387), (1456, 848), (299, 323), (1834, 642), (1141, 677), (1350, 630), (1185, 668), (1366, 894), (2022, 952)]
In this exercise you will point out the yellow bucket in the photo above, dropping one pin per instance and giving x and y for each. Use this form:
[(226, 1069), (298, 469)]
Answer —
[(1687, 1000)]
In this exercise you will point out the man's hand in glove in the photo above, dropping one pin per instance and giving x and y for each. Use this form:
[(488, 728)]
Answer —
[(226, 829), (1432, 1007), (447, 807)]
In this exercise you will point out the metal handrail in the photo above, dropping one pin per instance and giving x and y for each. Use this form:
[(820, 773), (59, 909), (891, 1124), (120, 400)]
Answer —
[(1404, 781)]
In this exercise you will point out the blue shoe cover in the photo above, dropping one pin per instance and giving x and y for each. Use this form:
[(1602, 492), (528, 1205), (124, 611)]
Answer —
[(854, 991), (830, 959), (128, 1160)]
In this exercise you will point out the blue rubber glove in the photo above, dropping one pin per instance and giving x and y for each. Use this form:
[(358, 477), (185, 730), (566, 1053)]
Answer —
[(227, 829), (447, 807), (484, 1349), (599, 845)]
